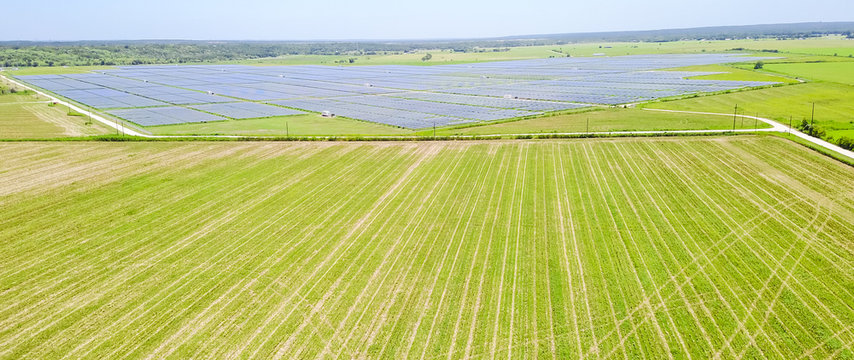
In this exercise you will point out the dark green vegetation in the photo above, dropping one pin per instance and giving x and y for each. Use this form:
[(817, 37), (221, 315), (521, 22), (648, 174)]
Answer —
[(629, 248)]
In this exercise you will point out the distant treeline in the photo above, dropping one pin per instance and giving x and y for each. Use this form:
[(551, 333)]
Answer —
[(80, 53), (86, 53), (776, 31)]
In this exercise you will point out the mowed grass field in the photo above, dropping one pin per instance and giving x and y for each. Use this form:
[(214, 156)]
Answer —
[(820, 48), (296, 125), (606, 120), (621, 248), (834, 105), (731, 73), (839, 72), (24, 116)]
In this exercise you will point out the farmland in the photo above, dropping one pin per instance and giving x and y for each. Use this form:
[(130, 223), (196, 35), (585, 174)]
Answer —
[(607, 120), (839, 72), (297, 125), (827, 87), (834, 104), (622, 248), (24, 116)]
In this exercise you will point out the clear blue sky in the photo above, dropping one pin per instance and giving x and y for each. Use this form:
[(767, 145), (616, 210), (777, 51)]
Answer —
[(385, 19)]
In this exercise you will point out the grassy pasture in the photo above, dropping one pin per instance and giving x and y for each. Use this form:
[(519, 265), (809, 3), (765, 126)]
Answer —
[(296, 125), (812, 49), (838, 72), (629, 248), (616, 119), (834, 104), (809, 49), (57, 70), (27, 117), (731, 73)]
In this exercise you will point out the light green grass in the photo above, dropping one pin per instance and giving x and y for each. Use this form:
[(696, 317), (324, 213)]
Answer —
[(834, 104), (28, 117), (623, 248), (57, 70), (823, 47), (440, 57), (730, 73), (618, 119), (296, 125), (812, 49), (839, 72)]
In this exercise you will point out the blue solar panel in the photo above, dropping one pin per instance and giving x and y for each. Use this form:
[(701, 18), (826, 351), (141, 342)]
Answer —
[(164, 116), (246, 110), (406, 96)]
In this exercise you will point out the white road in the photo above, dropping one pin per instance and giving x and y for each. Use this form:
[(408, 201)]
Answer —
[(775, 127), (780, 128)]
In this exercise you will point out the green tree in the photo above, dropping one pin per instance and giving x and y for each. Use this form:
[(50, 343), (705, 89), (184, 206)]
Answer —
[(845, 143)]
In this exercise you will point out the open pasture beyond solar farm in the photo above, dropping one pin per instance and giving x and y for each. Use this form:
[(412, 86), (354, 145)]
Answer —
[(620, 248)]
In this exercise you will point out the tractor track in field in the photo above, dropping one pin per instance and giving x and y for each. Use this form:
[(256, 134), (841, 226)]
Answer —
[(732, 231)]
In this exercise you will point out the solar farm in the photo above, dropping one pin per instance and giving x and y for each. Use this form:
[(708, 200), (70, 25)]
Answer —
[(549, 208), (411, 97)]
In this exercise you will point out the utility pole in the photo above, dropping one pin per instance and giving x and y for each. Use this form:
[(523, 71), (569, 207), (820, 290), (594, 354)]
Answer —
[(734, 116), (434, 129), (755, 120), (588, 125), (812, 118), (287, 129), (790, 125)]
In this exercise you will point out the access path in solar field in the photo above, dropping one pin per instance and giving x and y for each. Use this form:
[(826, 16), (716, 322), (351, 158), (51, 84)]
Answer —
[(599, 248)]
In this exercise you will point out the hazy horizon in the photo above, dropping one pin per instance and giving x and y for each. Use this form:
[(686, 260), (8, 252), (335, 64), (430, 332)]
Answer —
[(267, 20)]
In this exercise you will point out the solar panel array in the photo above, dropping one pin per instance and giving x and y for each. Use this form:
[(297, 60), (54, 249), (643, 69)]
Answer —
[(246, 110), (404, 96), (164, 115)]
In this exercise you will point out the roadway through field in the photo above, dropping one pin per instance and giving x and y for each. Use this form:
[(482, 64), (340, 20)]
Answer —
[(775, 127)]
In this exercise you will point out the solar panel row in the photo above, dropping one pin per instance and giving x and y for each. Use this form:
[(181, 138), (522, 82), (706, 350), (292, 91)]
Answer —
[(164, 116), (405, 96), (246, 110)]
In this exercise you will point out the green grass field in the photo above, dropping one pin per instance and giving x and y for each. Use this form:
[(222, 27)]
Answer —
[(617, 119), (731, 73), (296, 125), (54, 70), (839, 72), (824, 47), (629, 248), (813, 49), (834, 105), (28, 117)]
